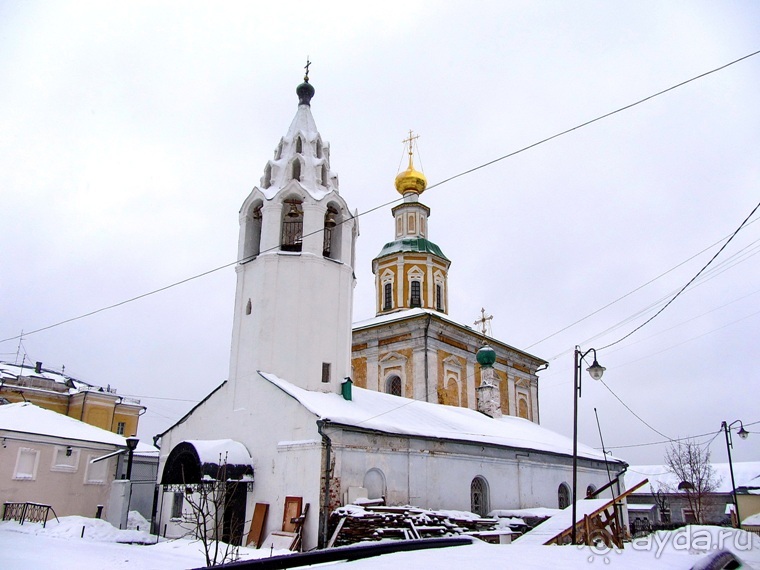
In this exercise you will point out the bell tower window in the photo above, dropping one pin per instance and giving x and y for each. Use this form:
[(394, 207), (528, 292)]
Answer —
[(438, 298), (416, 297), (296, 170), (299, 145), (252, 245), (387, 296), (292, 226), (332, 233)]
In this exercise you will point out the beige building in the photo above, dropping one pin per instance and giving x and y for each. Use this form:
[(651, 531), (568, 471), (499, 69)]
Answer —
[(411, 348), (94, 405), (46, 458)]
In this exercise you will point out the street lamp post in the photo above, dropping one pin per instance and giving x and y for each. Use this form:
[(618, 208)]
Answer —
[(596, 371), (743, 433), (131, 445)]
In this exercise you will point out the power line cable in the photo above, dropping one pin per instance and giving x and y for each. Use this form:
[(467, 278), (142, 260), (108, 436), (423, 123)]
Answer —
[(444, 181), (563, 329), (650, 319)]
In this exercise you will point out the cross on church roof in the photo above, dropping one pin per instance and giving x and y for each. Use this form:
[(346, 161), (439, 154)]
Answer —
[(306, 67), (410, 141), (483, 322)]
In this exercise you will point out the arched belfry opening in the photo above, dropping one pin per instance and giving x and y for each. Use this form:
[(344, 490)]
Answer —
[(253, 221), (291, 238), (333, 225)]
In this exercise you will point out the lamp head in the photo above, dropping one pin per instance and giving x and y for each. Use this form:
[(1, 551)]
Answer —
[(132, 443), (743, 433), (596, 370)]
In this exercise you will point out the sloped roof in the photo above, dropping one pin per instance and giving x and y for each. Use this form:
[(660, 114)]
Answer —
[(24, 417), (402, 416), (418, 245), (746, 474), (405, 314)]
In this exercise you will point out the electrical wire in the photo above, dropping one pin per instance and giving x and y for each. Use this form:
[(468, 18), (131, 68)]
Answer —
[(713, 258), (444, 181), (599, 310)]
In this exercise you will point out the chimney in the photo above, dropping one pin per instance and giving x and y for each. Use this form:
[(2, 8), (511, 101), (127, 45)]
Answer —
[(37, 367)]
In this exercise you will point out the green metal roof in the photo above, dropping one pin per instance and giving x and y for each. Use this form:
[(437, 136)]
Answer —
[(420, 245)]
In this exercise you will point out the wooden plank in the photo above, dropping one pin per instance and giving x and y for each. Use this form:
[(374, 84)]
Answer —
[(280, 540), (567, 532), (292, 511), (334, 536), (257, 524)]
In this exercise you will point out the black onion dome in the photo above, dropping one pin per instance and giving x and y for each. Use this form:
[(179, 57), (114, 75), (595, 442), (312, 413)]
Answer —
[(305, 92)]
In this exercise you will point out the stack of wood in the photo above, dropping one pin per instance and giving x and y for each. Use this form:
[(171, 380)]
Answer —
[(352, 524)]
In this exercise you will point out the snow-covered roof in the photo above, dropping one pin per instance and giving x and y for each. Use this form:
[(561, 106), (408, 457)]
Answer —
[(746, 473), (396, 415), (560, 522), (753, 520), (26, 418), (10, 371), (217, 451), (61, 382), (417, 312)]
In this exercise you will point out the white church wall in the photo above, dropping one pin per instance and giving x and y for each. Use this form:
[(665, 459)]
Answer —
[(438, 474), (281, 437), (292, 292)]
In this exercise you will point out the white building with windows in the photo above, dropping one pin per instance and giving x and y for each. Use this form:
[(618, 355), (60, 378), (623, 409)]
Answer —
[(46, 458), (289, 424)]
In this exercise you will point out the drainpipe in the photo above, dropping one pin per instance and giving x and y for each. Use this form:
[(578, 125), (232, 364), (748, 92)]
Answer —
[(326, 498), (84, 401), (427, 327)]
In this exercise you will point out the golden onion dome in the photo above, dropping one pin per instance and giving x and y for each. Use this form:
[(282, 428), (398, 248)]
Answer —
[(410, 180)]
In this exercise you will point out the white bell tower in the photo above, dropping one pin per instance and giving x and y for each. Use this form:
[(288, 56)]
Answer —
[(295, 278)]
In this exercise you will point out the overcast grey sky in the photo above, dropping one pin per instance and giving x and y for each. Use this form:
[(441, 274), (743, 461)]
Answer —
[(131, 132)]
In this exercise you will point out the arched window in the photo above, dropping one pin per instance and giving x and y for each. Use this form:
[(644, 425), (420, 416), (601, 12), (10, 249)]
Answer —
[(332, 233), (479, 496), (374, 482), (590, 490), (296, 173), (393, 385), (324, 175), (416, 298), (299, 145), (319, 148), (251, 247), (439, 297), (563, 496), (522, 408), (387, 296), (292, 226)]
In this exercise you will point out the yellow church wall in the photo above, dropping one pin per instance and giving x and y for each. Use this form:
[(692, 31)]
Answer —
[(503, 392), (450, 393), (359, 367)]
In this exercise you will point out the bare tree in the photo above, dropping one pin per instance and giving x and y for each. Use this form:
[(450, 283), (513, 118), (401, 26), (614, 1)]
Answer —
[(207, 516), (690, 463)]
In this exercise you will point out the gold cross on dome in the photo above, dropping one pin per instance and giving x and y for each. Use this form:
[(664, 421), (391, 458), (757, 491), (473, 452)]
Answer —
[(483, 321), (410, 141), (306, 67)]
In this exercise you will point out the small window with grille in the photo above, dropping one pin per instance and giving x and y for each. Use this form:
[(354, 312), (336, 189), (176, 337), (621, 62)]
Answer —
[(387, 296), (325, 372), (416, 300)]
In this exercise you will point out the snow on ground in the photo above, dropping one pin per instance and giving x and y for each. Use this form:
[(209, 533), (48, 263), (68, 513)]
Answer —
[(76, 542), (60, 546)]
